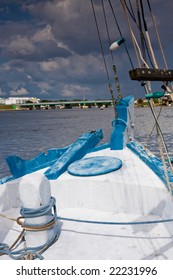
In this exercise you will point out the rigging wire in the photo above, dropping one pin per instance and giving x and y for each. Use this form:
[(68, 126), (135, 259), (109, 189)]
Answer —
[(157, 34), (148, 138), (146, 30), (131, 13), (161, 141), (141, 31), (148, 37), (107, 29), (100, 41), (158, 38), (114, 66), (104, 60), (119, 29), (109, 40), (134, 41)]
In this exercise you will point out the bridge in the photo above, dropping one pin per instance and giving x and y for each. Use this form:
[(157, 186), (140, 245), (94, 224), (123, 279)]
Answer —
[(66, 104)]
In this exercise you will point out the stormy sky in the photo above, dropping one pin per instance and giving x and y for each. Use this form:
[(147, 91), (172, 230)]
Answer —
[(50, 48)]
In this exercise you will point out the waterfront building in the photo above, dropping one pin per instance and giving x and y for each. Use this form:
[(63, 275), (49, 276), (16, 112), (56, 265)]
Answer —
[(2, 100), (20, 100)]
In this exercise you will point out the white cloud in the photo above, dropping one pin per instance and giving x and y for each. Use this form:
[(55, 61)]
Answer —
[(74, 90), (19, 92), (65, 47), (43, 35), (5, 67), (45, 87), (74, 66), (54, 64), (48, 66), (21, 46), (29, 77)]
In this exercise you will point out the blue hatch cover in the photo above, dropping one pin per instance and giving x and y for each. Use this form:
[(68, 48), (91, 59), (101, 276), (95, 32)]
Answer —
[(94, 166)]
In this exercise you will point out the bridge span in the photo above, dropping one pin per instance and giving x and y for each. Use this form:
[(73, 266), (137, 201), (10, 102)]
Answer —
[(67, 104)]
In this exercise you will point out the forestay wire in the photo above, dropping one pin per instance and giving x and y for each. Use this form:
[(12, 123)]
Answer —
[(103, 55), (104, 60), (100, 41), (113, 62)]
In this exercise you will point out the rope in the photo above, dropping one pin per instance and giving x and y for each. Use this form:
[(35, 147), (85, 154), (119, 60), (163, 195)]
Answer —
[(116, 223), (146, 142), (139, 50), (129, 25), (158, 38), (131, 13), (9, 218), (157, 34), (161, 142), (156, 66), (32, 252), (35, 227), (136, 46), (38, 212)]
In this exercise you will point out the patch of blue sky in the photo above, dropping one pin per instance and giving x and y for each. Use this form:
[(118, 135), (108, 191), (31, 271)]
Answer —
[(13, 12)]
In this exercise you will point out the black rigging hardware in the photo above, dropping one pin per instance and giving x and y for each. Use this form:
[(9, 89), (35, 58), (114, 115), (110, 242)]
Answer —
[(149, 74)]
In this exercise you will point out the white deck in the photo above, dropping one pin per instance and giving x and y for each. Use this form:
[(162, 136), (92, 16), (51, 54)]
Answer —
[(132, 193)]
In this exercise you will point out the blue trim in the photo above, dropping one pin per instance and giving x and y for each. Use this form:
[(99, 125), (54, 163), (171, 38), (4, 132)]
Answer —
[(100, 147), (120, 134), (75, 152), (156, 94), (154, 163), (6, 179), (20, 167), (125, 101)]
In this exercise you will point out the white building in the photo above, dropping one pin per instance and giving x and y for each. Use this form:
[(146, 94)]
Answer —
[(2, 100), (20, 100)]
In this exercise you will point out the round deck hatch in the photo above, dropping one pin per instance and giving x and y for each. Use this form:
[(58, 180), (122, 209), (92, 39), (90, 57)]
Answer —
[(94, 166)]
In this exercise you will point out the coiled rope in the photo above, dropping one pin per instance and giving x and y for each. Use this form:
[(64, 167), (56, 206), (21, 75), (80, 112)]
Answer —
[(32, 252)]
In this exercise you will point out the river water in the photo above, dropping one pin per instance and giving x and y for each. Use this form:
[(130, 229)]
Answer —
[(28, 133)]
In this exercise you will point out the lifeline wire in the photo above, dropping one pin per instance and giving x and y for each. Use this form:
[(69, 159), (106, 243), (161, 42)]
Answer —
[(116, 223)]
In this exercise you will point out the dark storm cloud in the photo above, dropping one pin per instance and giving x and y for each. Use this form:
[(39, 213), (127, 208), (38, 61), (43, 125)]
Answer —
[(51, 47)]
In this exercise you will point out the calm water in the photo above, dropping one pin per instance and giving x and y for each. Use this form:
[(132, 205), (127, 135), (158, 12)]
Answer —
[(28, 133)]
